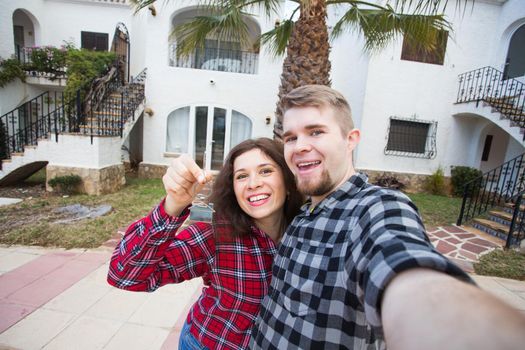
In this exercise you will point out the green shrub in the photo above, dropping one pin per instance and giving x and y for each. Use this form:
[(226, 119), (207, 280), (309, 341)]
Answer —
[(435, 183), (461, 175), (11, 69), (83, 66), (66, 184)]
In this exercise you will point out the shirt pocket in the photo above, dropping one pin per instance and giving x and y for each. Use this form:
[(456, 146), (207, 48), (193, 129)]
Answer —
[(305, 277)]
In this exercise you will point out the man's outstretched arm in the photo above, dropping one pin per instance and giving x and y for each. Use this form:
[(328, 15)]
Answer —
[(425, 309)]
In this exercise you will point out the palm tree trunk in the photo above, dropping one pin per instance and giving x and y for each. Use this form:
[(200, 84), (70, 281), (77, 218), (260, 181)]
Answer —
[(306, 60)]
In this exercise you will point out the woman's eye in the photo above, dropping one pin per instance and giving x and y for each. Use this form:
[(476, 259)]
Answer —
[(240, 176), (266, 171)]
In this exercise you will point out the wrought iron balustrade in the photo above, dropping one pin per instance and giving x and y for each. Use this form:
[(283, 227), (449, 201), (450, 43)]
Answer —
[(20, 126), (517, 225), (500, 185), (223, 60), (489, 85)]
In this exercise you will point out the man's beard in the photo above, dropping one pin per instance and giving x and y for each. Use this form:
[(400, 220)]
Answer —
[(311, 187)]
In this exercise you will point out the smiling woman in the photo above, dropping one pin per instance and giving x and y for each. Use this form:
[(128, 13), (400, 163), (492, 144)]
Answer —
[(254, 198)]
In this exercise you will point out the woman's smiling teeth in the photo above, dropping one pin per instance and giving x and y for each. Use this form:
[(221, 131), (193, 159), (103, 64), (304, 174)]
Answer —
[(257, 198)]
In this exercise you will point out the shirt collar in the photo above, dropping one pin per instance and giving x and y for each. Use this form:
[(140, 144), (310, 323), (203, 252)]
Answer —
[(350, 187)]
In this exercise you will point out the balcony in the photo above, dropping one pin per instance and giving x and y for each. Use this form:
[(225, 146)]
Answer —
[(222, 60)]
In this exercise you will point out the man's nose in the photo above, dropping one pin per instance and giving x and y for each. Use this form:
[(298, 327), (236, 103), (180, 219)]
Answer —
[(302, 144)]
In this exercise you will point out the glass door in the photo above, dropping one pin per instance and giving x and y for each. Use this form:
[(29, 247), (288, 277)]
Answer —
[(210, 132)]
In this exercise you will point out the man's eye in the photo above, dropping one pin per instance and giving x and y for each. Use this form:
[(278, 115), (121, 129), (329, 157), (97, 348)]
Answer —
[(290, 139), (316, 132)]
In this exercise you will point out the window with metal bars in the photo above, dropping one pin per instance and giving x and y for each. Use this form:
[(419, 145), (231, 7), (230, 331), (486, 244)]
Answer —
[(411, 138)]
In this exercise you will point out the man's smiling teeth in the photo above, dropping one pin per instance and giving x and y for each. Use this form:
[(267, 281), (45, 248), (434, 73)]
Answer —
[(258, 198), (305, 164)]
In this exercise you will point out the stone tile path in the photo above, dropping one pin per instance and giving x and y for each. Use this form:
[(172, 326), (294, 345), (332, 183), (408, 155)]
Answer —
[(463, 245)]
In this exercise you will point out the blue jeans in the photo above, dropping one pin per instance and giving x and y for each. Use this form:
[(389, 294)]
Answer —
[(187, 341)]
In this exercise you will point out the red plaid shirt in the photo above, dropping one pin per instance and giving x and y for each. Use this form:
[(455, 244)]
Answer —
[(237, 273)]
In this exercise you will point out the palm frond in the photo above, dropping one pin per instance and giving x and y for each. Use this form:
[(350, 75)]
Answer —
[(222, 23), (382, 26), (426, 7), (266, 7), (277, 38)]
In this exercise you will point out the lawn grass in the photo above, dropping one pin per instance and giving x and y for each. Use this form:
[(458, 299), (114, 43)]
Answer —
[(436, 210), (32, 221), (502, 263)]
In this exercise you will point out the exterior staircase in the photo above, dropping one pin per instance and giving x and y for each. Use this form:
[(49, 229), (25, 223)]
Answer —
[(493, 202), (498, 221), (110, 108), (503, 97)]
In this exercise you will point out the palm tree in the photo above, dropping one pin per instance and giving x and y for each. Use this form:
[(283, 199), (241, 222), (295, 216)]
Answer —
[(306, 41)]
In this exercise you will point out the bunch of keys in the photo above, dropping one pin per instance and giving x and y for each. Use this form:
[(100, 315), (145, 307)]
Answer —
[(201, 210)]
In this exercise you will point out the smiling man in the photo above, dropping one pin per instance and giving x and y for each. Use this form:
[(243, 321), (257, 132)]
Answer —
[(355, 270)]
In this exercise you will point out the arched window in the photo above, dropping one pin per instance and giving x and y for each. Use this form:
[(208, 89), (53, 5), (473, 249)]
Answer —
[(241, 128), (515, 62), (206, 130), (177, 131)]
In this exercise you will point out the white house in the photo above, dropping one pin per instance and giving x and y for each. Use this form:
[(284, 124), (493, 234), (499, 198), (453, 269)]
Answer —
[(414, 114)]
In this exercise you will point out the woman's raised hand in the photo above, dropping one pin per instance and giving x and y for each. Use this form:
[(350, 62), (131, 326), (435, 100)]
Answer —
[(182, 181)]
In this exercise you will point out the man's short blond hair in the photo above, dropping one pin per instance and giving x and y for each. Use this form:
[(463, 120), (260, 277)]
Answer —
[(320, 96)]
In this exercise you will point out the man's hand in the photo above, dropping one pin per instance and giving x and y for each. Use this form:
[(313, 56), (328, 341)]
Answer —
[(182, 181), (425, 309)]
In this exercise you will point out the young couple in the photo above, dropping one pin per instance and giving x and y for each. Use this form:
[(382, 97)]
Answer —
[(354, 269)]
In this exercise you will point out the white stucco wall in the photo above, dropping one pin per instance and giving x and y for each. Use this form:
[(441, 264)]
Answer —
[(15, 93), (78, 151), (62, 20), (404, 88), (169, 88)]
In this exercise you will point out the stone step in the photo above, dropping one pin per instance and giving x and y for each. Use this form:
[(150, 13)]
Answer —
[(493, 225), (509, 207), (107, 113), (501, 214), (492, 228), (88, 128)]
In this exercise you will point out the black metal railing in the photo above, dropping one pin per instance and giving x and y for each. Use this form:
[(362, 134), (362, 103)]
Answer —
[(489, 85), (107, 116), (102, 111), (21, 126), (223, 60), (495, 187), (517, 225)]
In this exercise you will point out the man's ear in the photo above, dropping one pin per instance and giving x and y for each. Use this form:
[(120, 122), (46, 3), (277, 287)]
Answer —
[(353, 137)]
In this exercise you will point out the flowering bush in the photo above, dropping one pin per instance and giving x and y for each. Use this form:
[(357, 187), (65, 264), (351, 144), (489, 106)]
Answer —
[(47, 59)]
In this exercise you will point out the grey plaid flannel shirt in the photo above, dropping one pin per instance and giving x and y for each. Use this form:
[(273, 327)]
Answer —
[(333, 265)]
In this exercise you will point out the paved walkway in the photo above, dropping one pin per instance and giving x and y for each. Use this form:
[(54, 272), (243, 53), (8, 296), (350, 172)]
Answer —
[(59, 299)]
